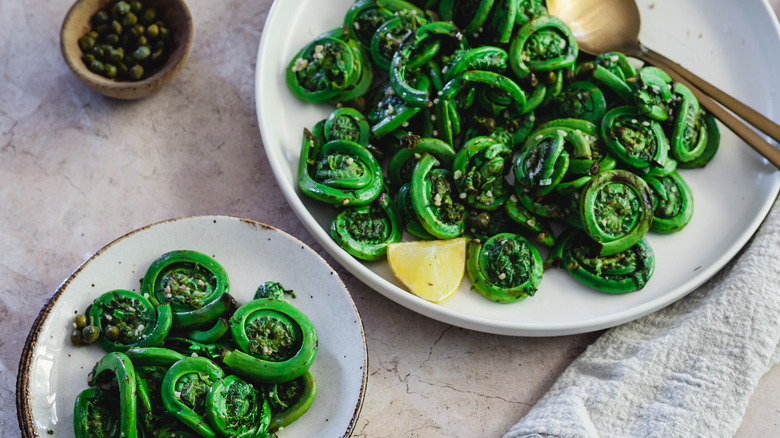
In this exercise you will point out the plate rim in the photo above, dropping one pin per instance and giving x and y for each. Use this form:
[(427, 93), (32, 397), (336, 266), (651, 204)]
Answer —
[(475, 322), (23, 378)]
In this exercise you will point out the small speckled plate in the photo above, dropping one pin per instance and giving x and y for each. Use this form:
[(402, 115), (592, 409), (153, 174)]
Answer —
[(52, 371)]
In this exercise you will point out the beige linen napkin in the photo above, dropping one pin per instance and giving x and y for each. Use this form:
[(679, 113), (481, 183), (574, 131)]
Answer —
[(685, 371)]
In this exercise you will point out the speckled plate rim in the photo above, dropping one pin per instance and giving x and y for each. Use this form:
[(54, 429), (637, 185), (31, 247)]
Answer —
[(714, 39), (350, 403)]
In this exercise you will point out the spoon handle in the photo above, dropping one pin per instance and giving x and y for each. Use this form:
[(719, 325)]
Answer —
[(707, 94)]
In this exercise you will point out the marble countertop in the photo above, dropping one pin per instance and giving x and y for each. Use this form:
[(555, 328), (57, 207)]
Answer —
[(78, 170)]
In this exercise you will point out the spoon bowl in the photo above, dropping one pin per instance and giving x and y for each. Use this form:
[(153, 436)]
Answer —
[(601, 26)]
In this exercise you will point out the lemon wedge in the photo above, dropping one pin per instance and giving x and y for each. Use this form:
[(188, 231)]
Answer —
[(430, 269)]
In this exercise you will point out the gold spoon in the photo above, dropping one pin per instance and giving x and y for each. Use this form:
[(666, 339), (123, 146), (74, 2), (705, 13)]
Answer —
[(613, 26)]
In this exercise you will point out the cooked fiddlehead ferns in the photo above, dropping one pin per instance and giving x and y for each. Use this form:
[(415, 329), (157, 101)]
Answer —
[(339, 172), (625, 271), (401, 165), (653, 93), (581, 100), (363, 18), (290, 400), (387, 111), (273, 290), (276, 341), (690, 135), (470, 16), (389, 37), (365, 231), (505, 268), (434, 200), (126, 319), (479, 170), (196, 286), (407, 58), (543, 44), (346, 124), (592, 144), (486, 58), (672, 203), (537, 227), (448, 120), (613, 70), (183, 384), (616, 208), (184, 390), (237, 409), (711, 148), (409, 218), (637, 141), (97, 413), (330, 68), (543, 162), (150, 364)]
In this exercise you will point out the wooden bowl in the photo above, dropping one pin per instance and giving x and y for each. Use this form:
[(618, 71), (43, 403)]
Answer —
[(177, 18)]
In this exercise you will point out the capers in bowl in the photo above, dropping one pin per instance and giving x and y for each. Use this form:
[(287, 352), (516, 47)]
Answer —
[(128, 40)]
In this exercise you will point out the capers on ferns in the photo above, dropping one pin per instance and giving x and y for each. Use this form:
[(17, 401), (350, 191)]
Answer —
[(242, 373)]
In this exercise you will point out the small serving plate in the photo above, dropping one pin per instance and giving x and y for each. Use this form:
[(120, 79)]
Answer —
[(52, 371)]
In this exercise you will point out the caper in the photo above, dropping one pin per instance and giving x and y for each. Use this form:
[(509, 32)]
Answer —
[(129, 19), (480, 221), (98, 51), (550, 77), (76, 338), (129, 60), (149, 15), (90, 334), (101, 17), (136, 6), (152, 31), (136, 72), (142, 41), (137, 30), (116, 27), (141, 53), (110, 71), (102, 29), (156, 55), (120, 9), (81, 321), (112, 332), (97, 66), (112, 39), (164, 33), (86, 43), (116, 55)]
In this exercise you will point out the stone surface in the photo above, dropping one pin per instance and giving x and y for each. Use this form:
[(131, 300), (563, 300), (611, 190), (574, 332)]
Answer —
[(78, 170)]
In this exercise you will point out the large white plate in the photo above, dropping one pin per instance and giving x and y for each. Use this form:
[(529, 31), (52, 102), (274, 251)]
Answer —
[(52, 371), (732, 44)]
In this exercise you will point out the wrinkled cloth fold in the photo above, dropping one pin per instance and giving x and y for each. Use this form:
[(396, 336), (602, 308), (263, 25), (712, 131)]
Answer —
[(687, 370)]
